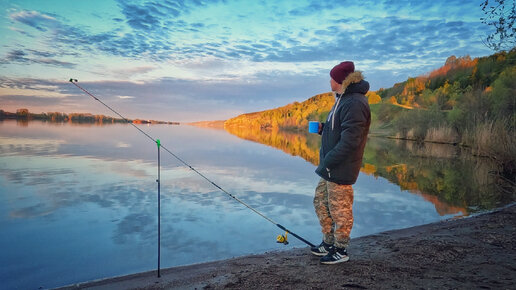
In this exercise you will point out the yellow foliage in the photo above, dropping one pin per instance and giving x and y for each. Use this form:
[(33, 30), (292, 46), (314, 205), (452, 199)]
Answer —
[(295, 115), (373, 97), (368, 169), (393, 100)]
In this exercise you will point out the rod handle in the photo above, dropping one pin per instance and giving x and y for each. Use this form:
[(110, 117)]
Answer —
[(298, 237)]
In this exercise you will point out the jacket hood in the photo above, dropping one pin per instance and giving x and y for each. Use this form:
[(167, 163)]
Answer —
[(361, 87), (354, 83)]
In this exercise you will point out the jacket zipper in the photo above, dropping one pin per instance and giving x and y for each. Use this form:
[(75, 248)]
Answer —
[(333, 115), (333, 125)]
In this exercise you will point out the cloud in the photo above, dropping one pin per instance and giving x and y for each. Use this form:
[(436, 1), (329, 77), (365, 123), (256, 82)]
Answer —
[(381, 39), (129, 72), (154, 16), (16, 55), (155, 23), (39, 21), (21, 31), (42, 53), (33, 91), (20, 56), (77, 39), (170, 99), (54, 62), (135, 44), (146, 17)]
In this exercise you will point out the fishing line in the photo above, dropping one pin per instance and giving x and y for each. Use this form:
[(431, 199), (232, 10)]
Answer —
[(280, 238)]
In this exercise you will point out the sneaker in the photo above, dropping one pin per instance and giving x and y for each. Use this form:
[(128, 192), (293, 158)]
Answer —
[(321, 250), (335, 255)]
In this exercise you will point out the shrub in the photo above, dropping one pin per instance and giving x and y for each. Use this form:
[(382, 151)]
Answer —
[(414, 124)]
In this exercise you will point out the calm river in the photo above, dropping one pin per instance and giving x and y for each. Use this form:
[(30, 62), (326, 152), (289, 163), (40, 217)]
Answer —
[(79, 202)]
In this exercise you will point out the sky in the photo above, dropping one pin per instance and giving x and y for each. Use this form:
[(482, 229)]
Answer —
[(212, 60)]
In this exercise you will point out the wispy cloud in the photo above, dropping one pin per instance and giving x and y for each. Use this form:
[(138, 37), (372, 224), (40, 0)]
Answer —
[(16, 56), (129, 72), (41, 22), (154, 24), (20, 56)]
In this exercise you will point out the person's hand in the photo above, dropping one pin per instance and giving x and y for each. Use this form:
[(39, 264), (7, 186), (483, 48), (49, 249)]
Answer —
[(319, 131)]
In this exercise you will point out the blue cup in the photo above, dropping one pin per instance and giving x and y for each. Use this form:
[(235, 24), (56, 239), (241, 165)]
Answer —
[(313, 127)]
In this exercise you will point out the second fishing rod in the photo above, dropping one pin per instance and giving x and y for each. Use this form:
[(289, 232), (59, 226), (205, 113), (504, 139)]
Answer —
[(280, 238)]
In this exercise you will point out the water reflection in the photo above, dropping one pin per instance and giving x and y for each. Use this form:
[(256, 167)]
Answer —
[(293, 143), (447, 172), (447, 176)]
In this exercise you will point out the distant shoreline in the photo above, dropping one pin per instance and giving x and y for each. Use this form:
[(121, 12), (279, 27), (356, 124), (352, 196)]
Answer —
[(218, 124), (56, 117)]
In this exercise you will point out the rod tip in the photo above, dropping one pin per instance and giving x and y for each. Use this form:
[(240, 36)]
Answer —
[(73, 80)]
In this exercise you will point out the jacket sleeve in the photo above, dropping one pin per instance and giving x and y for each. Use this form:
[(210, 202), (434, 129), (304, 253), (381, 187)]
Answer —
[(353, 124)]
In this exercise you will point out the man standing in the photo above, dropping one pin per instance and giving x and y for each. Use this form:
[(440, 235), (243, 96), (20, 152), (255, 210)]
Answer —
[(344, 137)]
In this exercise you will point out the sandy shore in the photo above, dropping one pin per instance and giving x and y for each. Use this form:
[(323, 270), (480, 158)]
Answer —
[(468, 253)]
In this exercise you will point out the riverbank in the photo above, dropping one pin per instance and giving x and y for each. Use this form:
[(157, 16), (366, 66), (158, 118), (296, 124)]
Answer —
[(474, 252)]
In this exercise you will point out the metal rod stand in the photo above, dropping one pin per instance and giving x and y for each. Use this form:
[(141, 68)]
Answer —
[(159, 210)]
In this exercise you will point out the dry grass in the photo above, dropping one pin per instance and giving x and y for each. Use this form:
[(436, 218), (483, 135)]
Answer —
[(493, 139), (497, 140), (442, 134)]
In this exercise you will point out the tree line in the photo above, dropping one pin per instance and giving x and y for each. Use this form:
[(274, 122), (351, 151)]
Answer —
[(57, 117)]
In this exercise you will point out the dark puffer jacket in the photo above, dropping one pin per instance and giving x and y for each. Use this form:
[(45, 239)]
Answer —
[(344, 134)]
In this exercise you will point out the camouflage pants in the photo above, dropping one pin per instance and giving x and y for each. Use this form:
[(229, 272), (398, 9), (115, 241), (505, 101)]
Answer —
[(333, 205)]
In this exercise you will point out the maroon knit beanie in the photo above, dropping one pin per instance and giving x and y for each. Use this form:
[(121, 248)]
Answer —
[(339, 72)]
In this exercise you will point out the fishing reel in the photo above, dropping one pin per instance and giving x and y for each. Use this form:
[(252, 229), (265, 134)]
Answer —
[(282, 239)]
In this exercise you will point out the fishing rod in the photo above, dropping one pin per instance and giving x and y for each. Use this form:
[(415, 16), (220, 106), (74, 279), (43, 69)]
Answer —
[(280, 239)]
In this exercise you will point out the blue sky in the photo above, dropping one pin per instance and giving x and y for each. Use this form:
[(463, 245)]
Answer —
[(211, 60)]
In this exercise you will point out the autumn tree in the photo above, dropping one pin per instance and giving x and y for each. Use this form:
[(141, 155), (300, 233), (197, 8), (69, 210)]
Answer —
[(22, 113), (373, 97)]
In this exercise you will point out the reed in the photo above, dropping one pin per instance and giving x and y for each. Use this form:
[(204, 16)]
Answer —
[(493, 138), (442, 134)]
